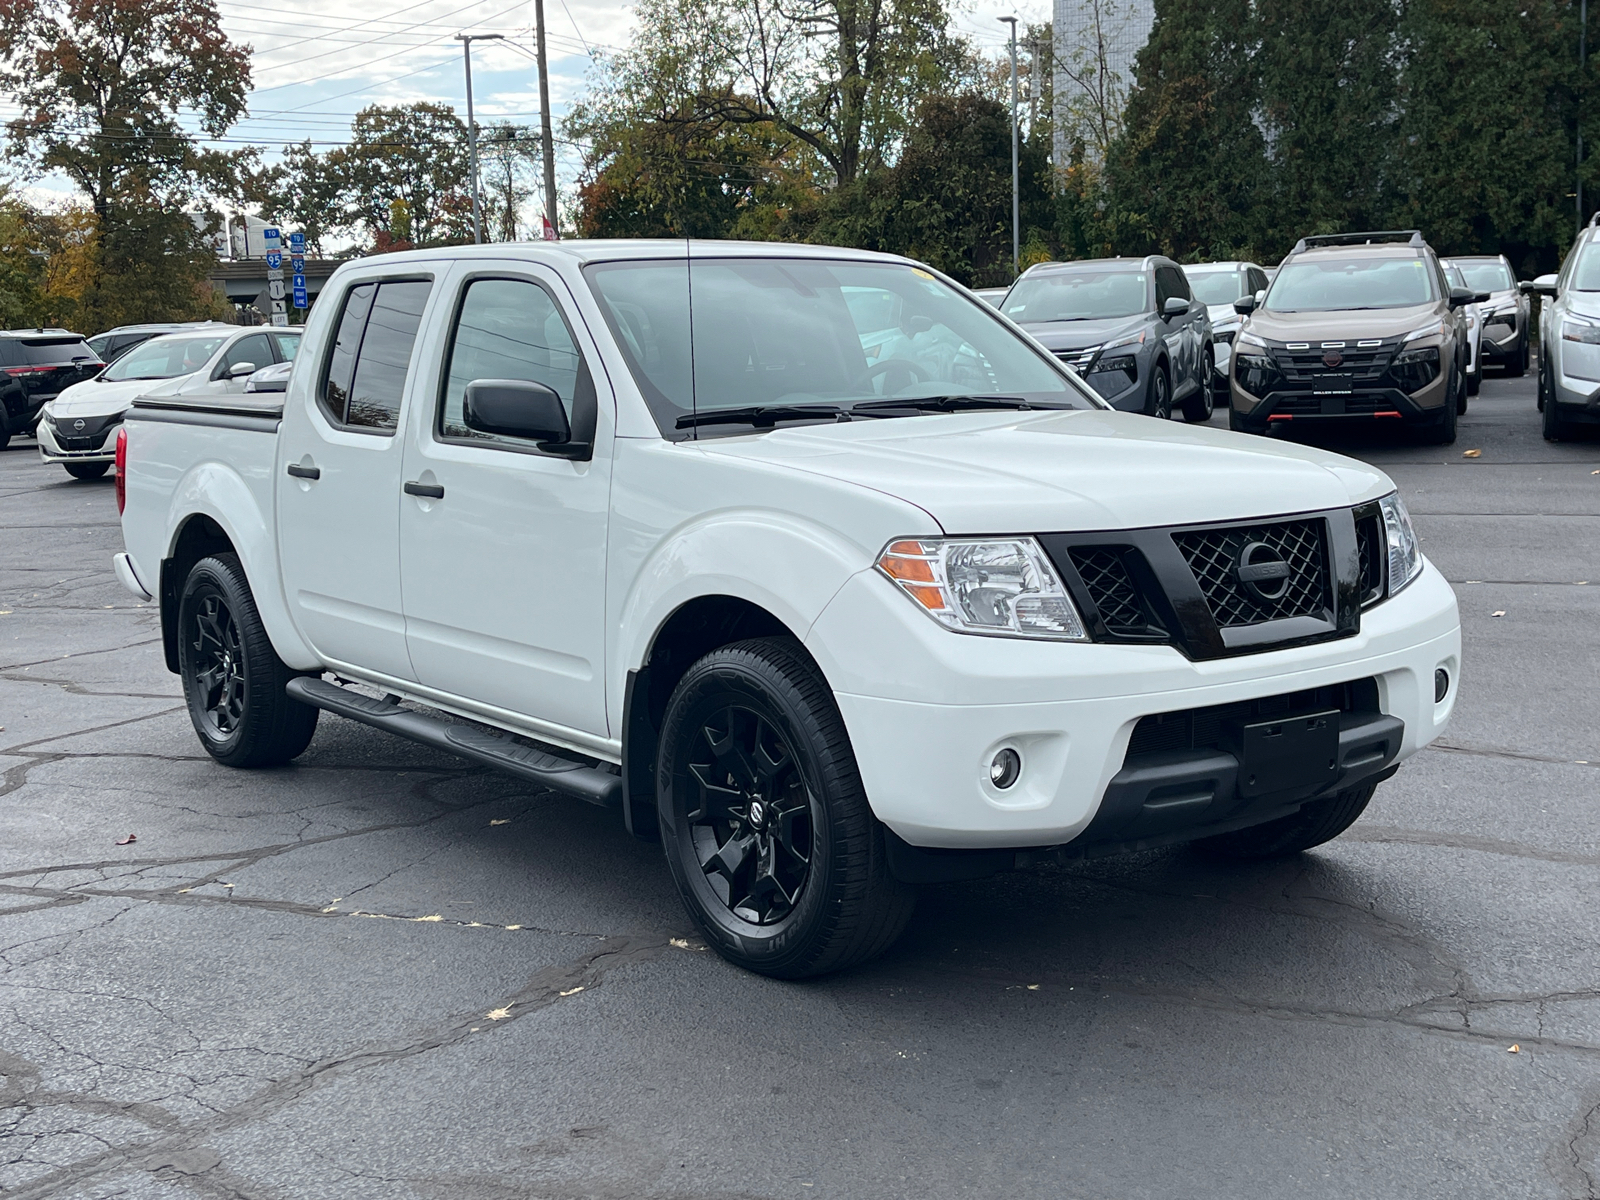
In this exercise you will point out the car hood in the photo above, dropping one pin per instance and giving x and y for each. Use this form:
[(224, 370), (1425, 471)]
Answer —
[(1076, 335), (1221, 312), (1341, 325), (98, 398), (1066, 471)]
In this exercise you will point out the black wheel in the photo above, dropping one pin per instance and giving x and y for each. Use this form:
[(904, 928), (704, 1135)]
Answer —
[(1475, 381), (232, 678), (88, 470), (1197, 409), (764, 819), (1158, 397), (1317, 821), (1441, 431), (1517, 364), (1556, 428), (1239, 425)]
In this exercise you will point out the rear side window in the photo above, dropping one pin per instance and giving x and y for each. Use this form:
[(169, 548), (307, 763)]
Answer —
[(252, 350), (1170, 283), (288, 345), (372, 353), (51, 352)]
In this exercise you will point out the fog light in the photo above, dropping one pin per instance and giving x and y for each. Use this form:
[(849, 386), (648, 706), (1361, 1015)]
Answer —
[(1441, 684), (1005, 768)]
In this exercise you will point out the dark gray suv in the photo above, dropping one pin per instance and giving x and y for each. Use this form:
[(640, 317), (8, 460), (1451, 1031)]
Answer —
[(1129, 326)]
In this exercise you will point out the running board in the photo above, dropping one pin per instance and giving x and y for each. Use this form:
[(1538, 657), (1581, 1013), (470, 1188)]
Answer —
[(483, 745)]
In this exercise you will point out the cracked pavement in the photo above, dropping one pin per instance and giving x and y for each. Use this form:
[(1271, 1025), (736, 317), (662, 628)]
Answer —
[(383, 972)]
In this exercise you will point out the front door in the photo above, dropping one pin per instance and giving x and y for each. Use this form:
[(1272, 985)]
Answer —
[(503, 556), (339, 481)]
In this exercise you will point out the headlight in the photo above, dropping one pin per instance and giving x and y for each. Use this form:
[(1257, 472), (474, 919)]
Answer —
[(48, 417), (1003, 588), (1580, 331), (1120, 362), (1413, 370), (1405, 556), (1251, 341), (1133, 339), (1436, 329)]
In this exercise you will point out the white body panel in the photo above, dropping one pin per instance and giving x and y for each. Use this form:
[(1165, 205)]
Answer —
[(526, 594)]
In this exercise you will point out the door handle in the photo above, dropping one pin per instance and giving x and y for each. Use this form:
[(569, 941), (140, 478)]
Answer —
[(430, 491), (300, 472)]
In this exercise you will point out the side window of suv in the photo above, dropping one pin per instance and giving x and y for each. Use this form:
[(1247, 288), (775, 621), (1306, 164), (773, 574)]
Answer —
[(509, 329), (253, 350), (371, 357), (1170, 283)]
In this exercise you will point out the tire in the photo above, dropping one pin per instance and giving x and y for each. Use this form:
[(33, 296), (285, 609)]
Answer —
[(88, 470), (1517, 364), (1158, 396), (802, 886), (1239, 425), (1475, 382), (233, 680), (1317, 822), (5, 436), (1441, 431), (1197, 409), (1555, 427)]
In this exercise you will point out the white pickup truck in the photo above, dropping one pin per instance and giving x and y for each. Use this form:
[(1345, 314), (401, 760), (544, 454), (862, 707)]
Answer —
[(812, 564)]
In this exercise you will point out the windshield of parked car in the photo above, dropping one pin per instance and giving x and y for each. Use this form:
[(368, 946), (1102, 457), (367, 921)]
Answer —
[(752, 333), (1215, 287), (164, 358), (1490, 276), (1321, 285), (1083, 294)]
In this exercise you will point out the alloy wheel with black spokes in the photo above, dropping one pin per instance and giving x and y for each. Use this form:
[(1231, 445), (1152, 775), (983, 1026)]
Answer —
[(764, 819), (233, 679), (754, 818)]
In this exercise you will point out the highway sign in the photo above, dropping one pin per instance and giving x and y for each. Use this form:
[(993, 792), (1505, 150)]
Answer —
[(274, 260)]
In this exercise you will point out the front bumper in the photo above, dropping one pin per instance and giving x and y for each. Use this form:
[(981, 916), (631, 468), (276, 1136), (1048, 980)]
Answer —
[(927, 710), (1508, 343), (100, 446), (1579, 398)]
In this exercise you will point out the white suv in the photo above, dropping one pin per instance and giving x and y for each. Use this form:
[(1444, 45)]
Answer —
[(1569, 338)]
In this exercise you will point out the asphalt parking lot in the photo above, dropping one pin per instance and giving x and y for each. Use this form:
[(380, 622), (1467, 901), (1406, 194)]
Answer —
[(383, 973)]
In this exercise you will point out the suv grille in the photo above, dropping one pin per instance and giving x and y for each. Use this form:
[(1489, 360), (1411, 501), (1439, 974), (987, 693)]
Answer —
[(1105, 574), (1213, 554), (1301, 369)]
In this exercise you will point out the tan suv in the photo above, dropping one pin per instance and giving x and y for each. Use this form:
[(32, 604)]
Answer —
[(1356, 326)]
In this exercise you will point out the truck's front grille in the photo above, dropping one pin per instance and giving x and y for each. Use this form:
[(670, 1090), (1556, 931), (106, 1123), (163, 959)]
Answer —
[(1214, 555), (1105, 573)]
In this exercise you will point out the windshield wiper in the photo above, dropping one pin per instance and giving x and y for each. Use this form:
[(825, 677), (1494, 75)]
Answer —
[(941, 403), (762, 417)]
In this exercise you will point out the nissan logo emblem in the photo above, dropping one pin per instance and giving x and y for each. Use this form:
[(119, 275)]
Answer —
[(78, 424), (1332, 359), (1262, 571)]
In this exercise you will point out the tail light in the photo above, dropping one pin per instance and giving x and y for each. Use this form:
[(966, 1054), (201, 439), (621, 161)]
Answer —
[(18, 372), (122, 468)]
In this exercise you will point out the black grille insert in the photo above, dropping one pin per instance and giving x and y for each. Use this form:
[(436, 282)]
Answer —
[(1203, 728), (1213, 556), (1105, 573), (1371, 548)]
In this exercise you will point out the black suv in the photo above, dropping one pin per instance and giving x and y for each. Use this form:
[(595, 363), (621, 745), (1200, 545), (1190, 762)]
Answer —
[(1361, 326), (35, 365)]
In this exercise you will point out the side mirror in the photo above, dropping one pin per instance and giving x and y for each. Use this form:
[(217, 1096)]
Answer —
[(518, 408), (1544, 285), (1174, 306), (1480, 297), (1244, 305), (239, 370), (1460, 296)]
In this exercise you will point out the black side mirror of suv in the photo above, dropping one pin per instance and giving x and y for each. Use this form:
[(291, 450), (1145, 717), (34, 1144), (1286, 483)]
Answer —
[(521, 408), (1174, 306), (1460, 296), (1244, 304)]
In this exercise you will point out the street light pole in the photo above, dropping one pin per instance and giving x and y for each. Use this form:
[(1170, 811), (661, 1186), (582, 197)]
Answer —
[(466, 40), (544, 119), (1583, 50), (1016, 205)]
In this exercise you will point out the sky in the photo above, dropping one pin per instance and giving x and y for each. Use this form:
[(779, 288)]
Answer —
[(315, 63)]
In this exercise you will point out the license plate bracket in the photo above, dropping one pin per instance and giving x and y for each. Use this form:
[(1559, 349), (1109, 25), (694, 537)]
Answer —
[(1296, 753)]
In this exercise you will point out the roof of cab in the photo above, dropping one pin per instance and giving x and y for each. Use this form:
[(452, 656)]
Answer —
[(586, 251)]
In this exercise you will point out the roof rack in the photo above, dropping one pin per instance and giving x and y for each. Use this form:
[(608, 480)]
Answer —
[(1412, 237), (1594, 220)]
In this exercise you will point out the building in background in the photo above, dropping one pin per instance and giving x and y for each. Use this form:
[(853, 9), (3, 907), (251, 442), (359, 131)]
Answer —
[(1096, 42)]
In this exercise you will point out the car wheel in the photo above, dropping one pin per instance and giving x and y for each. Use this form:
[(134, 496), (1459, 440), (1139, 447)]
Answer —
[(1239, 425), (1517, 364), (1475, 382), (1158, 397), (88, 470), (1441, 431), (5, 436), (1318, 821), (1555, 428), (764, 818), (1197, 409), (233, 680)]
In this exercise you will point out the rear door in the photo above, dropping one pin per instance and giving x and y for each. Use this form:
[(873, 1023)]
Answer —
[(1179, 332), (339, 467)]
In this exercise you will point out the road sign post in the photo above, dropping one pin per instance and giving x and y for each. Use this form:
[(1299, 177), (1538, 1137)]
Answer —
[(297, 271), (273, 238)]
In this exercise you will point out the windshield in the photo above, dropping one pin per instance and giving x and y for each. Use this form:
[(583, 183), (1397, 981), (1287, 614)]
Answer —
[(785, 332), (163, 358), (1488, 276), (1084, 295), (1326, 285), (1215, 287)]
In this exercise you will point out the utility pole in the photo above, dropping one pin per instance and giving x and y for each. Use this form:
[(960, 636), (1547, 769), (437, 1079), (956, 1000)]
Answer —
[(544, 120), (1583, 50), (1016, 203), (466, 40)]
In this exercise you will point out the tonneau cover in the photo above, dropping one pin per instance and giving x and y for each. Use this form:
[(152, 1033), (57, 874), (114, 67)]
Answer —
[(268, 404)]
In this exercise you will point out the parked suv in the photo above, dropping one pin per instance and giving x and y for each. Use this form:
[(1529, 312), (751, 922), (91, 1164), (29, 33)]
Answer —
[(1130, 326), (1457, 278), (1356, 325), (35, 365), (1507, 331), (1217, 285), (114, 343), (1569, 338)]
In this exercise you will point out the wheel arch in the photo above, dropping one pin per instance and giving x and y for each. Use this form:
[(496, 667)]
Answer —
[(198, 536)]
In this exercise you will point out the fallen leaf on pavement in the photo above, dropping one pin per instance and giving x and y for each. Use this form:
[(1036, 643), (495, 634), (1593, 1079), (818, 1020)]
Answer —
[(1514, 1050), (1472, 454), (573, 991), (501, 821), (498, 1014), (127, 841), (1499, 612)]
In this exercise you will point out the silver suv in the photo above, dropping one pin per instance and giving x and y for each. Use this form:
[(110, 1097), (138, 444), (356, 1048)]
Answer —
[(1569, 338)]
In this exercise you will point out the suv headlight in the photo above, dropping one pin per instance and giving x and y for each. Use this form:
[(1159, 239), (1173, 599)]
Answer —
[(1000, 587), (1580, 331), (1405, 555), (1437, 329)]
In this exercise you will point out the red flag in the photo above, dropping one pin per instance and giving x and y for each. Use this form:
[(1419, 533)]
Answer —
[(549, 234)]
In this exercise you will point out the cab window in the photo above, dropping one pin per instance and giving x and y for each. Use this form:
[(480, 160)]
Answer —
[(253, 350), (371, 356)]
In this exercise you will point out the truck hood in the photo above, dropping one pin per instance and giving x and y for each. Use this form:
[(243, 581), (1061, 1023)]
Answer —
[(1341, 325), (1076, 335), (1066, 471), (99, 397)]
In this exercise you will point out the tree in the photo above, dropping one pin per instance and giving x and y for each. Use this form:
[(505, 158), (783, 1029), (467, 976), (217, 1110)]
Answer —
[(304, 191), (412, 153), (507, 152)]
